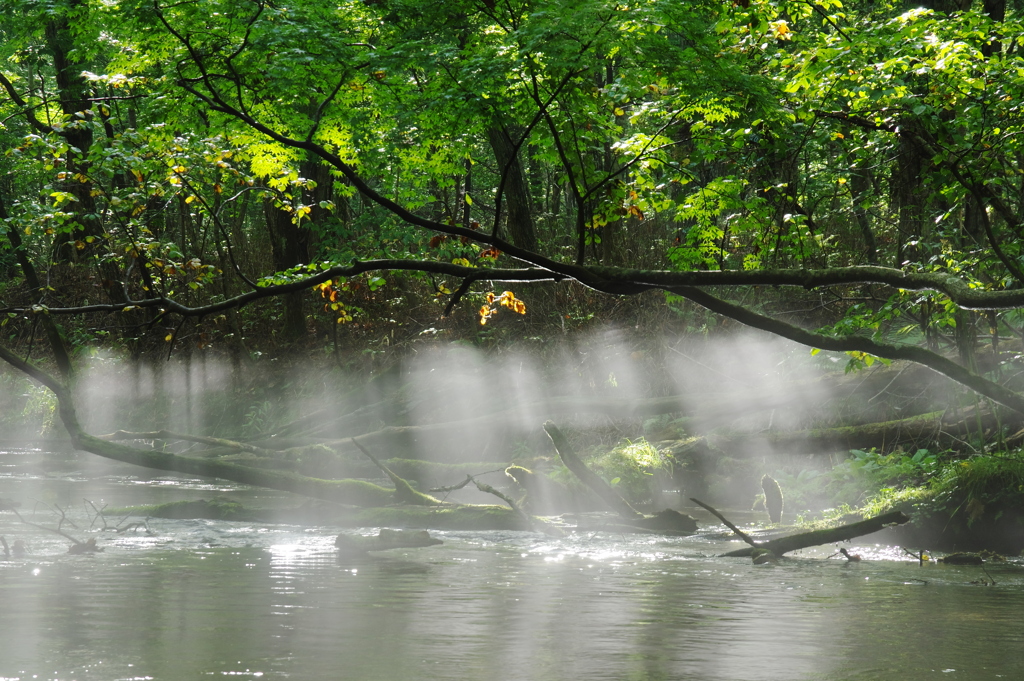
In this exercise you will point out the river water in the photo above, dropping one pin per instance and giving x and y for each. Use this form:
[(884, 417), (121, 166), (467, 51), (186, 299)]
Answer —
[(194, 599)]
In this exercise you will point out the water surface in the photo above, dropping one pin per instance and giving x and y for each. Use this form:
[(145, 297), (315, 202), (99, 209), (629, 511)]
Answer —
[(200, 599)]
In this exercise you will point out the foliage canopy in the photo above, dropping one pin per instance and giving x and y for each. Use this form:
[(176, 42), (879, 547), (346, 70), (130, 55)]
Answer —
[(177, 161)]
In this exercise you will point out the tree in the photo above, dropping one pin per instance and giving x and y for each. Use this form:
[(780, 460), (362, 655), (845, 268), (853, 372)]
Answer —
[(870, 154)]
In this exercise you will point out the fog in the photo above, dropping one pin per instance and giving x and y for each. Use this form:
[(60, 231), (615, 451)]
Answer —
[(456, 403)]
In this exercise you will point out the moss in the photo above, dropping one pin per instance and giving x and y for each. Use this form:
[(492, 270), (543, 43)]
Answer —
[(841, 432), (634, 469), (972, 504), (218, 508)]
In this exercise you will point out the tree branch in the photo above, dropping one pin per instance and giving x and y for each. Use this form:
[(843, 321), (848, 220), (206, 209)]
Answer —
[(932, 360)]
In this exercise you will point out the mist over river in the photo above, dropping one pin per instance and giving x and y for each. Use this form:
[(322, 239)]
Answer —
[(198, 599)]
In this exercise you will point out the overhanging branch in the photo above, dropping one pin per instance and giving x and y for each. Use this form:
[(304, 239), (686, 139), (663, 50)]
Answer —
[(911, 353), (314, 277)]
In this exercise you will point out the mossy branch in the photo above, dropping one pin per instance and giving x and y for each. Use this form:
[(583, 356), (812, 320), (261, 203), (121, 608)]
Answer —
[(588, 477), (404, 493)]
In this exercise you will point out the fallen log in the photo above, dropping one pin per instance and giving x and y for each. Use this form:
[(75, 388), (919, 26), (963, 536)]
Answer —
[(827, 536), (588, 477), (667, 521), (944, 427)]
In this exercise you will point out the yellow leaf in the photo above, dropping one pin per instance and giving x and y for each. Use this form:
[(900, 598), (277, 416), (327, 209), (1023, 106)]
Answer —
[(619, 111), (781, 30), (169, 337)]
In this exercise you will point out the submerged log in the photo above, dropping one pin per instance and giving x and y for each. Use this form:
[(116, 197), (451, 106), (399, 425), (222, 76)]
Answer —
[(828, 536), (447, 517), (963, 559), (385, 539)]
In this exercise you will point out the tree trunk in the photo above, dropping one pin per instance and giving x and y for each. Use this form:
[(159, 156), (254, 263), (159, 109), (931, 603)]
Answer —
[(289, 246), (516, 191), (860, 185)]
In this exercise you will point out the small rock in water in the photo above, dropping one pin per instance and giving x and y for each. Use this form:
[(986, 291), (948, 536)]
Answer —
[(962, 559), (386, 539), (85, 547)]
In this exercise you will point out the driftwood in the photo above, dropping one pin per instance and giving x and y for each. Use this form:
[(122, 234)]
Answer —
[(828, 536), (77, 546), (740, 533)]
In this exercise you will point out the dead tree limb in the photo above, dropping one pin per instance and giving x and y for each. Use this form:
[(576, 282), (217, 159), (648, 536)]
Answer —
[(404, 492), (542, 527), (452, 488), (588, 477), (231, 445), (829, 536), (742, 535), (76, 545)]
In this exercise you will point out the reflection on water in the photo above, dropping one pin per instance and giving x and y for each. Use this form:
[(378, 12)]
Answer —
[(210, 599)]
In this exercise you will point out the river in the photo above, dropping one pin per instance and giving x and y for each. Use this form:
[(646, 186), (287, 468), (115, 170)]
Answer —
[(194, 599)]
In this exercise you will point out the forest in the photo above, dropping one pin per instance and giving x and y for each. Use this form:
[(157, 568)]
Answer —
[(739, 246)]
